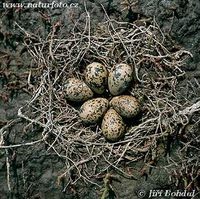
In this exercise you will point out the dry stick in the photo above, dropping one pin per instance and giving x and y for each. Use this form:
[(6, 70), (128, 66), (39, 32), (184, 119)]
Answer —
[(123, 154), (23, 30), (190, 110), (20, 145), (126, 175), (87, 26), (129, 56), (55, 140), (28, 119), (2, 130), (8, 170), (7, 162), (75, 165), (51, 43)]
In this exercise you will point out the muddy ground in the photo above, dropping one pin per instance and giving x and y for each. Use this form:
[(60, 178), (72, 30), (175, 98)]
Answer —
[(33, 170)]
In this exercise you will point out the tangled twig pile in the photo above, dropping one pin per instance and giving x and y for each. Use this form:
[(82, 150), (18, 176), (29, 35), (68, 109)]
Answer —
[(157, 72)]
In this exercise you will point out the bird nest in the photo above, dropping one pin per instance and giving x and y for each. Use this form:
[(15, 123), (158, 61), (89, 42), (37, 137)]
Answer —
[(158, 68)]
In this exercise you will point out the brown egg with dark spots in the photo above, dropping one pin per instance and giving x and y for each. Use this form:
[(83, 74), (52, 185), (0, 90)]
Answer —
[(113, 127), (93, 110), (126, 105), (77, 91), (120, 78), (96, 76)]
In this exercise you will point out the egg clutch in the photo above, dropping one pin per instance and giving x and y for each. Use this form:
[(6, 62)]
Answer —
[(112, 113)]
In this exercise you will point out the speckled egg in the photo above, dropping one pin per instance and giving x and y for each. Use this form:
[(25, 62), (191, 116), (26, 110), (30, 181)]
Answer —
[(113, 127), (77, 91), (126, 105), (96, 76), (119, 78), (93, 110)]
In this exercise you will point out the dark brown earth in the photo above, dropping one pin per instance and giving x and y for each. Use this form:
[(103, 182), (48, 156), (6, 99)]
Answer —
[(33, 170)]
